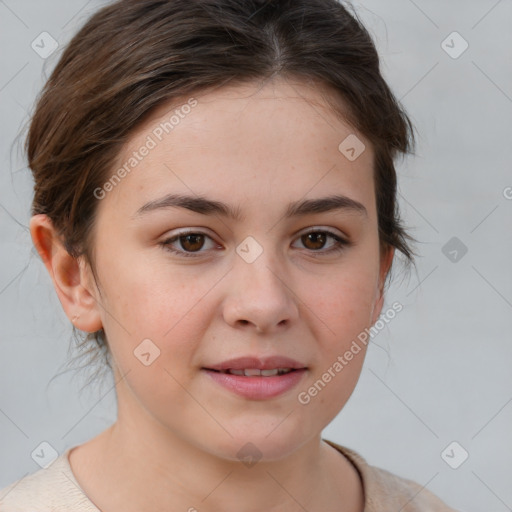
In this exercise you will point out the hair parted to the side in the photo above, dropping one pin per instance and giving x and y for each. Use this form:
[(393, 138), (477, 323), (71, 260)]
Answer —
[(134, 55)]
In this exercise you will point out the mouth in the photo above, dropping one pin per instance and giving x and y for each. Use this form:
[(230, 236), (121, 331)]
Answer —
[(254, 379), (257, 366), (257, 377), (254, 372)]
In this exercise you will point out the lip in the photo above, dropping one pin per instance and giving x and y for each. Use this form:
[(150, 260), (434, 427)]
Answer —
[(257, 388), (261, 363)]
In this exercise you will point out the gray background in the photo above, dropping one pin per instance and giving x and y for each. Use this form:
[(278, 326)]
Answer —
[(439, 372)]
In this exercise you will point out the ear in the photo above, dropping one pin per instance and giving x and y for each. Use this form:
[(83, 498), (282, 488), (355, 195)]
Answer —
[(72, 277), (386, 260)]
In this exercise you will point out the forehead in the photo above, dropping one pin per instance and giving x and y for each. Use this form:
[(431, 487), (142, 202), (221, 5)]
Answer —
[(280, 139)]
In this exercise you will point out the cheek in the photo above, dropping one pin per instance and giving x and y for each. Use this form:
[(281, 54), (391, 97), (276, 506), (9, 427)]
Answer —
[(155, 299), (341, 308), (343, 302), (344, 308)]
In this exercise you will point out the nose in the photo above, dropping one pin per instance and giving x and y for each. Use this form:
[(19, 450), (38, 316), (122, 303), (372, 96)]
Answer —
[(260, 296)]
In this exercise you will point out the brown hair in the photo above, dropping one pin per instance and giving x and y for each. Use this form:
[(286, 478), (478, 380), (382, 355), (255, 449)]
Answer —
[(134, 55)]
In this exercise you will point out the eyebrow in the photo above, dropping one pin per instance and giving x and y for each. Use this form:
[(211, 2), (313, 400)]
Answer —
[(206, 206)]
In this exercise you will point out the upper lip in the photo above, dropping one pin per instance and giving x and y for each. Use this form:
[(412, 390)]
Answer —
[(260, 363)]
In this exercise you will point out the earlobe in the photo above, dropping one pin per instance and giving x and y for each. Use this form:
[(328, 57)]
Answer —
[(68, 275)]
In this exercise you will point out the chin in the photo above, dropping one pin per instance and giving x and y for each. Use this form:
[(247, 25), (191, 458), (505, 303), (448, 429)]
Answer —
[(258, 445)]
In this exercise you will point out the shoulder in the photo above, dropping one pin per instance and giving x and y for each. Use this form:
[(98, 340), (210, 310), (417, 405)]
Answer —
[(400, 492), (53, 489), (386, 491)]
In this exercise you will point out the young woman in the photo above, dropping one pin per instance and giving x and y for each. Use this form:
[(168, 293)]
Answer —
[(215, 202)]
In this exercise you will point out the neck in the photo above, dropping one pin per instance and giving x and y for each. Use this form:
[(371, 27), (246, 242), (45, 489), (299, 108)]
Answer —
[(155, 471)]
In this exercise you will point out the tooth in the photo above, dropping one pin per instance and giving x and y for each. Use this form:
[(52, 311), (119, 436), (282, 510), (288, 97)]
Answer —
[(252, 372)]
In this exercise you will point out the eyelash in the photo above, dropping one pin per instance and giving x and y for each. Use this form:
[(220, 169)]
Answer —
[(339, 246)]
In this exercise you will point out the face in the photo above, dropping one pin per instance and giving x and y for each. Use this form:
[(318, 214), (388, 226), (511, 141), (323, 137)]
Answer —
[(254, 269)]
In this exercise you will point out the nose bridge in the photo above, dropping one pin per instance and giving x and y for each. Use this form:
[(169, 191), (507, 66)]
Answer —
[(260, 295)]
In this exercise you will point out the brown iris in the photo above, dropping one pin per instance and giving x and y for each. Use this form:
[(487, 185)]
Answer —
[(318, 240), (192, 242)]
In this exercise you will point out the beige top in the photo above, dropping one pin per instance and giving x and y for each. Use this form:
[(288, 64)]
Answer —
[(55, 489)]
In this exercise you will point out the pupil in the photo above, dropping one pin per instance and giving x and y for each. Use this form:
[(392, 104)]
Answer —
[(193, 239), (318, 239)]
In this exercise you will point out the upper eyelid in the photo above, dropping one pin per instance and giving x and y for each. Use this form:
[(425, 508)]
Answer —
[(304, 231), (199, 231)]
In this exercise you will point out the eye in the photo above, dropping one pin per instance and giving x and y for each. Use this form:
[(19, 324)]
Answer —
[(191, 243), (316, 240)]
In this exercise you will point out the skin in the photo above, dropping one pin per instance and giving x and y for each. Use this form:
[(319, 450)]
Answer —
[(174, 445)]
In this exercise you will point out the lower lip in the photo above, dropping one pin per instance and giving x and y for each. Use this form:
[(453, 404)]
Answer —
[(257, 388)]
